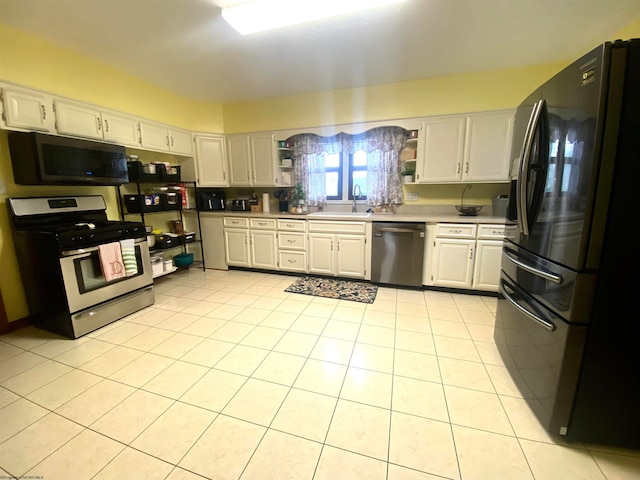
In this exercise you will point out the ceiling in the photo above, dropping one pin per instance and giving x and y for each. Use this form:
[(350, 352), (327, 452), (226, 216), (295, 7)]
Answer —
[(186, 47)]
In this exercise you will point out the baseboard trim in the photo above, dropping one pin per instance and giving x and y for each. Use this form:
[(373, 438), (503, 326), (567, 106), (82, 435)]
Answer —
[(15, 325)]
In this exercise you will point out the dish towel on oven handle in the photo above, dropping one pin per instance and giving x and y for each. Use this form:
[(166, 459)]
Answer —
[(111, 260), (129, 257)]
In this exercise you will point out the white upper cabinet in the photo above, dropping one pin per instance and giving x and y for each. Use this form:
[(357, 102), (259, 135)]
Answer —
[(441, 150), (78, 119), (83, 120), (239, 163), (27, 109), (252, 160), (264, 155), (120, 128), (487, 147), (465, 148), (156, 136), (211, 160)]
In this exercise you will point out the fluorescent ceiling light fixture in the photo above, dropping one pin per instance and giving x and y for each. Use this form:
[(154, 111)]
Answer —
[(259, 15)]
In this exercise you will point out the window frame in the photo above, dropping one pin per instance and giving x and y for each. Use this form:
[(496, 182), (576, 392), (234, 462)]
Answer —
[(355, 168), (340, 170)]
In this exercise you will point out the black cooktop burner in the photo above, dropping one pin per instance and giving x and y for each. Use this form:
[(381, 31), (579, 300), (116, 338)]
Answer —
[(74, 222)]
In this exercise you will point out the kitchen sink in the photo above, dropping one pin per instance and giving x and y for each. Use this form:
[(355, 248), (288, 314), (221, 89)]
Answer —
[(340, 214)]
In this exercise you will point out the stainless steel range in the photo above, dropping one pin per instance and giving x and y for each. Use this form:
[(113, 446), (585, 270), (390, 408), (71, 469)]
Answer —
[(79, 270)]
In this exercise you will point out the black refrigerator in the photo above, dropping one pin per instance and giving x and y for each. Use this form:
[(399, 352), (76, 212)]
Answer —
[(566, 321)]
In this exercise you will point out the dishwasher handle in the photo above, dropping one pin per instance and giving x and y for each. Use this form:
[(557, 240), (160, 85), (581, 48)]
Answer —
[(398, 230)]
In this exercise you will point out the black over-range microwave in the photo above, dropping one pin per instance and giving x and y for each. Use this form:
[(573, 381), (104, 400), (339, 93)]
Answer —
[(40, 159)]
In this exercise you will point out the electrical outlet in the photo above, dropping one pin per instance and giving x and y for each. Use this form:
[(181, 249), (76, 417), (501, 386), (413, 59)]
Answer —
[(412, 196)]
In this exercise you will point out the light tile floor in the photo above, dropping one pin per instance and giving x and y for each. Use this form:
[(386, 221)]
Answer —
[(227, 377)]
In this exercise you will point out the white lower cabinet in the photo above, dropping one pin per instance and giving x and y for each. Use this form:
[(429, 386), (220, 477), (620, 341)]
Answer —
[(212, 229), (338, 254), (292, 245), (236, 245), (263, 243), (251, 243), (486, 269), (453, 265), (467, 256)]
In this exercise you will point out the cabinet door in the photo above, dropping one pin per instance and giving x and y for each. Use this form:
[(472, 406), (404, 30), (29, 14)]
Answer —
[(154, 136), (239, 165), (120, 129), (78, 119), (264, 251), (453, 265), (486, 268), (180, 142), (27, 109), (321, 254), (350, 256), (440, 152), (212, 238), (236, 244), (487, 149), (211, 161), (263, 160)]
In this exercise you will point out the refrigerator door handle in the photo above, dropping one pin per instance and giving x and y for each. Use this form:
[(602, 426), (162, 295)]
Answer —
[(552, 277), (521, 198), (540, 321)]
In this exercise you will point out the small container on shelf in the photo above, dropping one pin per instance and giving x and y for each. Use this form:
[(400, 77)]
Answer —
[(168, 173), (167, 265), (183, 259), (167, 240), (144, 173), (172, 201), (157, 265), (143, 203), (187, 237)]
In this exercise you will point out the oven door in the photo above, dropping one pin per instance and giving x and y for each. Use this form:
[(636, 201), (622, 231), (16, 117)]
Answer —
[(84, 281)]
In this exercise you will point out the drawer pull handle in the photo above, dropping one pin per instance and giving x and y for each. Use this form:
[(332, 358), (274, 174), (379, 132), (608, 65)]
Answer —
[(291, 241), (292, 261), (290, 226)]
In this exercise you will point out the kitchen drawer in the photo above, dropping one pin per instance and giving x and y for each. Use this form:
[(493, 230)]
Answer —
[(292, 225), (236, 222), (336, 227), (292, 241), (491, 232), (292, 261), (262, 223), (456, 230)]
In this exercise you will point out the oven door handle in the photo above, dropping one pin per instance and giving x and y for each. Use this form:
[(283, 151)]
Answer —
[(81, 251)]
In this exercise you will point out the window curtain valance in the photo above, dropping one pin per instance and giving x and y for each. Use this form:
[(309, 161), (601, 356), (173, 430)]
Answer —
[(382, 145)]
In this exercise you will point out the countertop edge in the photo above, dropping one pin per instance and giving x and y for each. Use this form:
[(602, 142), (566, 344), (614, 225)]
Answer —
[(373, 218)]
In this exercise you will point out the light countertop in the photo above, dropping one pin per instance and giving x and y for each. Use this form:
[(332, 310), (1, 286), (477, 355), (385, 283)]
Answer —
[(426, 217)]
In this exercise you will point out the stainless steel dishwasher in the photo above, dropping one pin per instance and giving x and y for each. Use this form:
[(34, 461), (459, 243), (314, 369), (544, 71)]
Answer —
[(397, 253)]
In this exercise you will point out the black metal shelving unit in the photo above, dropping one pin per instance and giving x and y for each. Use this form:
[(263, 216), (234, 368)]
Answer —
[(161, 180)]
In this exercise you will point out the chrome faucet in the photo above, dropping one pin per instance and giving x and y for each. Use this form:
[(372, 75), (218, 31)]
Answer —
[(355, 196)]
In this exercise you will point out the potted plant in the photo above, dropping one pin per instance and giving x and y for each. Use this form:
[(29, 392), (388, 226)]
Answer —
[(297, 195), (407, 172)]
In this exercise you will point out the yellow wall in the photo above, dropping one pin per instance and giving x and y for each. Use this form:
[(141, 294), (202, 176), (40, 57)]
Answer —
[(471, 92), (37, 64)]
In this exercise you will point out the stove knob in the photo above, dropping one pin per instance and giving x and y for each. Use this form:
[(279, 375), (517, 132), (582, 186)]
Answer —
[(79, 238)]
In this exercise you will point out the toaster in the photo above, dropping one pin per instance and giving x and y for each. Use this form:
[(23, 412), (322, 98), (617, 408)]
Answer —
[(240, 205)]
